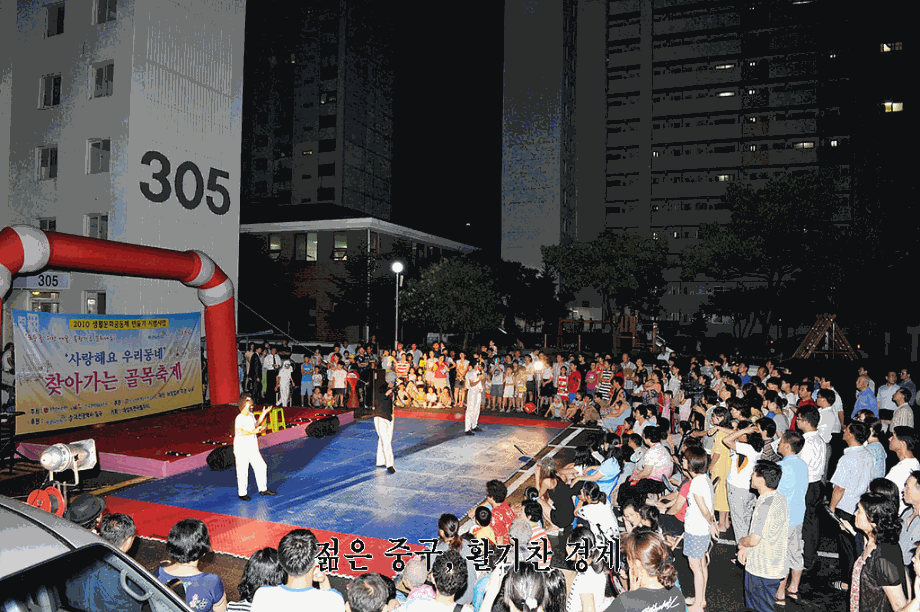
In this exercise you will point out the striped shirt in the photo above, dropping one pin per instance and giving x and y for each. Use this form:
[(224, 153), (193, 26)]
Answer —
[(771, 522)]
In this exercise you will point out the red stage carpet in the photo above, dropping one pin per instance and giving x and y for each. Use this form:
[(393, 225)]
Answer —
[(175, 442)]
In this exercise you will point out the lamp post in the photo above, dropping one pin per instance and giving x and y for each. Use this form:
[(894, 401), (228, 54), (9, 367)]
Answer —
[(397, 267)]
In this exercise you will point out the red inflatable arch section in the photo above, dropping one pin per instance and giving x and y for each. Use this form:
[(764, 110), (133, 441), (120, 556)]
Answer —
[(25, 249)]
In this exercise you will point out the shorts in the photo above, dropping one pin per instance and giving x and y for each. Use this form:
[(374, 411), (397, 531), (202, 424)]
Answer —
[(496, 390), (337, 392), (591, 392), (571, 397), (531, 386), (795, 558), (306, 386), (508, 391), (696, 546)]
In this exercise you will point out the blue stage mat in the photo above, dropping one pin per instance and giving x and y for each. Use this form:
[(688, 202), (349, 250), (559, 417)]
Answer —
[(333, 483)]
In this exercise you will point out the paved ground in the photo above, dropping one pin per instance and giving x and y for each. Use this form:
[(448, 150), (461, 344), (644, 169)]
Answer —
[(724, 594)]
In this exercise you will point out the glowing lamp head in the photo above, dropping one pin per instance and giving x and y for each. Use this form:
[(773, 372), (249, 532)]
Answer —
[(397, 267)]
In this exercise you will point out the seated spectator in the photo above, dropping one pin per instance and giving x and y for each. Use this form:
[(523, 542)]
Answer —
[(187, 543), (367, 593), (524, 589), (541, 549), (652, 470), (449, 540), (450, 578), (502, 514), (297, 553), (483, 529), (591, 590), (98, 586), (593, 509), (414, 581), (606, 475), (262, 569)]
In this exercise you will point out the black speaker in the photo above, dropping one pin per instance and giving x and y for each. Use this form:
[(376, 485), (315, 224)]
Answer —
[(221, 459), (328, 426)]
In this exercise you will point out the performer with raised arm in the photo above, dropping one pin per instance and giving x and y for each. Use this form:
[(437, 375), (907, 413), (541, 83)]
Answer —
[(246, 449)]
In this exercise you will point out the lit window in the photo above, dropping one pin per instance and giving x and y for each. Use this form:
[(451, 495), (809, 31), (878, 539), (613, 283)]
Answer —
[(654, 235), (834, 143), (40, 301), (752, 119), (305, 247), (726, 94), (752, 147), (724, 66), (804, 145), (47, 224), (654, 153), (46, 163), (751, 92), (339, 246), (887, 47), (894, 107), (752, 63), (726, 177), (97, 226), (832, 55), (50, 91), (274, 245), (98, 153)]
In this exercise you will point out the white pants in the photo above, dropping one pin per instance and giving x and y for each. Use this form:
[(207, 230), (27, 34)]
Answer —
[(284, 397), (384, 429), (244, 458), (473, 401)]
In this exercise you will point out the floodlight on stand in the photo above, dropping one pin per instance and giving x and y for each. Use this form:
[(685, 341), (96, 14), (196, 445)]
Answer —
[(75, 456)]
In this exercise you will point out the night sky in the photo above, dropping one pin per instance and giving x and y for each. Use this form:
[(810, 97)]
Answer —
[(447, 132)]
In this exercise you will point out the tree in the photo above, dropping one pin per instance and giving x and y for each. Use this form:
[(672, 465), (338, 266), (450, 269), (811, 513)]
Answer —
[(783, 231), (261, 276), (456, 294), (363, 296), (627, 270)]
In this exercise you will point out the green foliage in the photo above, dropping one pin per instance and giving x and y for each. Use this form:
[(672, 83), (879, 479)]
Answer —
[(264, 287), (627, 270), (456, 294)]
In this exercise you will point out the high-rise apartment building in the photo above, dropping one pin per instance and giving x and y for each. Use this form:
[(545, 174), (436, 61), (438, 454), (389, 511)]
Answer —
[(695, 95), (538, 128), (122, 121), (318, 109)]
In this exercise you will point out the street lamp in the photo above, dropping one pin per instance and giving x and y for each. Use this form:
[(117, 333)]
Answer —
[(397, 267)]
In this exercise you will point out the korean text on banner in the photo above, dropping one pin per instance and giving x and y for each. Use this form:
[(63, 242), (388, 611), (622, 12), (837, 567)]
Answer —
[(76, 370)]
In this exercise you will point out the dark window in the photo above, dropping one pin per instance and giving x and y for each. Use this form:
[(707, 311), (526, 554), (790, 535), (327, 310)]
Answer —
[(329, 48), (327, 97), (306, 176), (327, 121), (55, 18), (105, 10), (261, 141), (327, 170), (261, 164), (327, 73), (283, 174), (325, 193), (261, 187), (327, 145)]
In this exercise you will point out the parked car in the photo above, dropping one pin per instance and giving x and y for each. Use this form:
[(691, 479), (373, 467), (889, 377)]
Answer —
[(48, 563)]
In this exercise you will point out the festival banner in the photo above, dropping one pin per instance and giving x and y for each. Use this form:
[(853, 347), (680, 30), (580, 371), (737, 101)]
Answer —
[(76, 370)]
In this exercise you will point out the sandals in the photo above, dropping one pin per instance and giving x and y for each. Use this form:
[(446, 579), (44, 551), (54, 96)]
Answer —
[(779, 602), (793, 596)]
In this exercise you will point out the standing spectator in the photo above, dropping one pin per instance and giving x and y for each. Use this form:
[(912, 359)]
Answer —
[(763, 550), (885, 396), (746, 446), (850, 480), (651, 576), (902, 443), (813, 453), (878, 575), (866, 400), (908, 384), (255, 376), (306, 381), (338, 380), (903, 412), (262, 569), (699, 523), (187, 543), (793, 485), (910, 518), (874, 444), (271, 363), (297, 553)]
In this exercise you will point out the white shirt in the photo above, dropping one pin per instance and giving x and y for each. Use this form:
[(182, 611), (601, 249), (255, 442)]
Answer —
[(271, 362), (885, 396), (827, 419), (814, 454), (741, 477), (240, 440), (338, 379), (473, 379), (694, 522), (899, 475), (274, 598), (600, 518), (588, 582)]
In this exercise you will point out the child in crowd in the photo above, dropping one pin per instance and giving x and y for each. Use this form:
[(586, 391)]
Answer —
[(483, 529), (498, 384), (402, 397), (562, 385), (508, 390), (329, 398), (557, 408), (444, 398), (316, 400), (520, 387), (431, 398)]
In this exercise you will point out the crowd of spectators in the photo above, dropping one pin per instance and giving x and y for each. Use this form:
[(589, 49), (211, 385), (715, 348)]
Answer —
[(677, 463)]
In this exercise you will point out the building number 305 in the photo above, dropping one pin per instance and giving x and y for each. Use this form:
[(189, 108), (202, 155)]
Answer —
[(162, 177)]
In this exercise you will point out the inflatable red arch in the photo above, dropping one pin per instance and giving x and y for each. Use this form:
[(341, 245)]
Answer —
[(26, 249)]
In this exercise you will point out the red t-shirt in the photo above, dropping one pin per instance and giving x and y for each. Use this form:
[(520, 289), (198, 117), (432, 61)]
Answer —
[(684, 492), (562, 385), (574, 381), (502, 517)]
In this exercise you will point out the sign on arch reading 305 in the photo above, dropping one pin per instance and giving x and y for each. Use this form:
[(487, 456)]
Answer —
[(165, 183)]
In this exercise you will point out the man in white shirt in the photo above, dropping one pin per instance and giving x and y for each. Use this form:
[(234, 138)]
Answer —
[(338, 384), (903, 413), (836, 404), (886, 393), (271, 363), (828, 423), (297, 554), (850, 480), (903, 440), (814, 454), (246, 450)]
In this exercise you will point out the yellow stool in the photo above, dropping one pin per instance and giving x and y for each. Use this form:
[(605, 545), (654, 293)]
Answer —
[(275, 419)]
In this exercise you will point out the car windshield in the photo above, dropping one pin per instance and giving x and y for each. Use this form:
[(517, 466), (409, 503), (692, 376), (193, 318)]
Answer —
[(89, 579)]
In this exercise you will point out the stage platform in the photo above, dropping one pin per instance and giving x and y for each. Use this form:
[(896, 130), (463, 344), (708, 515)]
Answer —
[(175, 442), (331, 486)]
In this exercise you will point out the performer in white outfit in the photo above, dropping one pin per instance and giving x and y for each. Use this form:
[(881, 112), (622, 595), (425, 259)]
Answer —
[(473, 398), (284, 384), (246, 449)]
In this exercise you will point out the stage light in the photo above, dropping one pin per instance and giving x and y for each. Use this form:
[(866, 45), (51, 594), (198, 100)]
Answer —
[(75, 456)]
